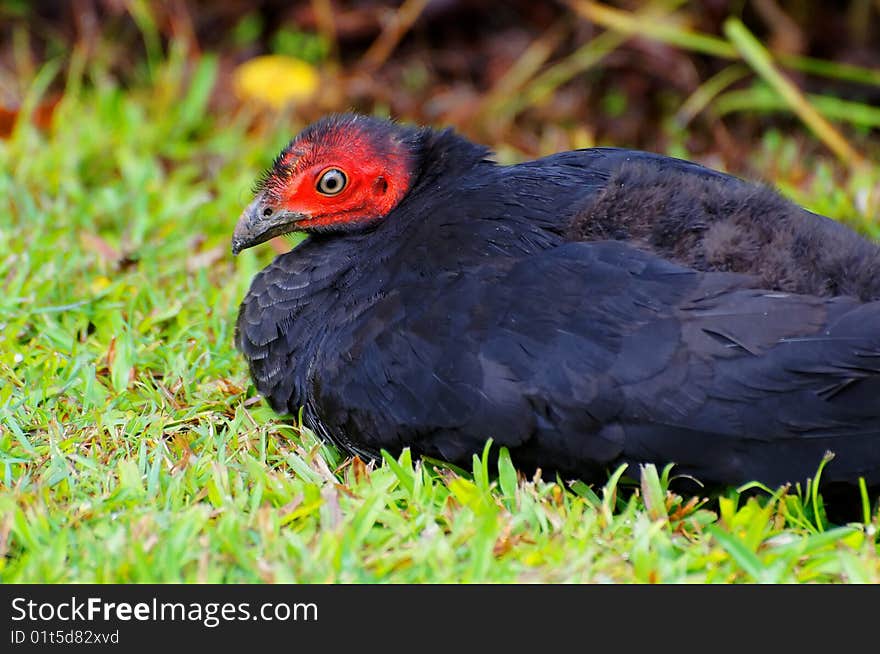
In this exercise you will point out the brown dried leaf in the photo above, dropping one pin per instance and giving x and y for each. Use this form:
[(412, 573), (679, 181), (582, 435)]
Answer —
[(99, 246), (42, 116), (205, 259), (111, 352), (333, 512), (361, 472)]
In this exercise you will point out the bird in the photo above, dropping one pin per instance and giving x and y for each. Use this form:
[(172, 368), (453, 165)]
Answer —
[(584, 310)]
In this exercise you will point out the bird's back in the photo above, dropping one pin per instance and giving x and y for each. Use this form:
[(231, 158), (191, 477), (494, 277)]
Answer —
[(709, 221)]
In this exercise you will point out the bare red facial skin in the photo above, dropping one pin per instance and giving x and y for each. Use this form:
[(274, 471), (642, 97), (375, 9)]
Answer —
[(377, 170)]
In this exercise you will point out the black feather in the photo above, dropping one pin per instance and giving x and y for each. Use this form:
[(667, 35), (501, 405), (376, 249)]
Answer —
[(586, 309)]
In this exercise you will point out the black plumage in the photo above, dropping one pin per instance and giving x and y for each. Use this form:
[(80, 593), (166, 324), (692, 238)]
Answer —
[(715, 222), (587, 309)]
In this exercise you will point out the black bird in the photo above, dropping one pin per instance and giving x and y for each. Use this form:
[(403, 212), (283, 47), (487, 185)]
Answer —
[(586, 309)]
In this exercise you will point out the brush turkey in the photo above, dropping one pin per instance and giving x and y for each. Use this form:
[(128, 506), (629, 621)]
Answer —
[(587, 309)]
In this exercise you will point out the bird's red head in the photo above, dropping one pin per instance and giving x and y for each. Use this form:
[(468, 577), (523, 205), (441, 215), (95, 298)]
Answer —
[(341, 173)]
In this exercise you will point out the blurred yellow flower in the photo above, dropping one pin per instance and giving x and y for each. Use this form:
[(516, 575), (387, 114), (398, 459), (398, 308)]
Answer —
[(275, 80), (99, 284)]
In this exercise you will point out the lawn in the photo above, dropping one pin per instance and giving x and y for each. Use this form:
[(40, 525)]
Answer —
[(133, 447)]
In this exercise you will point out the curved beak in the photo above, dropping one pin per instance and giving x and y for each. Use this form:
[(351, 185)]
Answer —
[(260, 221)]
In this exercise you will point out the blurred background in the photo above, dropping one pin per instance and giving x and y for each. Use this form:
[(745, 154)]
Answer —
[(711, 80)]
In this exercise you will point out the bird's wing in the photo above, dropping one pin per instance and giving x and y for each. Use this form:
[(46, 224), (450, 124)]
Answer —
[(590, 354)]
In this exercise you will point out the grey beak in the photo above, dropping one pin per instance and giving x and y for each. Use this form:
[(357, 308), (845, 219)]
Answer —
[(260, 221)]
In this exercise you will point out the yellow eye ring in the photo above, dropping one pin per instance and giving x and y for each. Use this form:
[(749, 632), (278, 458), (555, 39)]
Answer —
[(331, 182)]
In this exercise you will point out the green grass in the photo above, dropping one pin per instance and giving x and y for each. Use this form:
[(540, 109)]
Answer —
[(133, 447)]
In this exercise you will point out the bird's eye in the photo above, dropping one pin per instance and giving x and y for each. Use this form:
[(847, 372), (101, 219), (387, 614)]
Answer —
[(331, 182)]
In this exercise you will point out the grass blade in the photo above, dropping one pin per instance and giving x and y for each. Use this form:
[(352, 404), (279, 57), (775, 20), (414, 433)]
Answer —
[(747, 560), (507, 478), (708, 91), (761, 98), (759, 59), (653, 493), (629, 24)]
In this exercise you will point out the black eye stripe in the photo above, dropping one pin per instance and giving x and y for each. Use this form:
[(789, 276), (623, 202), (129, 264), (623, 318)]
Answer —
[(331, 182)]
